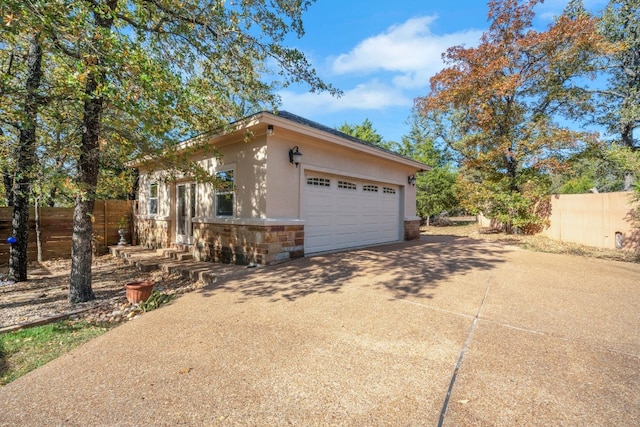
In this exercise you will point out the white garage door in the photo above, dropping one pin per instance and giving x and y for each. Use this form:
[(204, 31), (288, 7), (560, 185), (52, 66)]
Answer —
[(343, 213)]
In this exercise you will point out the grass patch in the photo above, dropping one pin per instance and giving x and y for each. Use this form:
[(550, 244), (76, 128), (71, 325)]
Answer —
[(27, 349)]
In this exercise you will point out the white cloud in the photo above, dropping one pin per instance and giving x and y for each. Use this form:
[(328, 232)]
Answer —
[(398, 62), (409, 48), (372, 95)]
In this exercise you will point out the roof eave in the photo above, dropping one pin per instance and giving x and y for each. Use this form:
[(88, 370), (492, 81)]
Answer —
[(293, 126)]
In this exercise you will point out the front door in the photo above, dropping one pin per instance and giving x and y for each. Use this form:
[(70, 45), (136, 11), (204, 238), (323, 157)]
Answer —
[(186, 210)]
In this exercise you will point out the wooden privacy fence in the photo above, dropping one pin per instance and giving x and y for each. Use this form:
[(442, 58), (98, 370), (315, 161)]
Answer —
[(56, 226)]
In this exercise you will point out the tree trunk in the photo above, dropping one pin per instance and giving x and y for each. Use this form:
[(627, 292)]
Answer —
[(7, 182), (627, 135), (38, 230), (88, 166), (81, 254), (25, 164), (512, 169), (51, 198)]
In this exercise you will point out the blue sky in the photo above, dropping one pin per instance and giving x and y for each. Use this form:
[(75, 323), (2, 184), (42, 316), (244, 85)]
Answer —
[(381, 54)]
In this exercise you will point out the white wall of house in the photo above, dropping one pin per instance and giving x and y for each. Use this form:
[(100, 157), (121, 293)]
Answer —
[(164, 194), (248, 159), (325, 157)]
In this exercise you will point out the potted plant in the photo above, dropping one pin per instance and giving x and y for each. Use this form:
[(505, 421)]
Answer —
[(122, 229), (139, 291)]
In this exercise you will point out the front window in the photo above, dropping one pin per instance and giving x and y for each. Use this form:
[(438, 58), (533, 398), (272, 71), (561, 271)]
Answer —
[(224, 193), (153, 198)]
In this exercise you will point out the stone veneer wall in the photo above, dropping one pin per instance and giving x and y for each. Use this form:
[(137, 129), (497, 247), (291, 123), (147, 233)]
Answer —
[(412, 230), (153, 233), (245, 244)]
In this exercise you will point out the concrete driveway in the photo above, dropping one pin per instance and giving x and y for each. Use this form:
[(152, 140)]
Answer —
[(446, 330)]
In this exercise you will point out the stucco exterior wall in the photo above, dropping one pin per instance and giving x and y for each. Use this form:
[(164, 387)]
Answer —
[(154, 230), (268, 222), (248, 159), (594, 220), (601, 220), (164, 193), (322, 156)]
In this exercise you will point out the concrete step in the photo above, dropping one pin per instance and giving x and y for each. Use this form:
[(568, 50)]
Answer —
[(146, 266), (166, 252), (182, 256), (175, 253), (182, 247), (172, 261)]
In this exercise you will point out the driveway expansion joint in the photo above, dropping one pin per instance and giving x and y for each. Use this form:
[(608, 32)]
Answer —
[(465, 346)]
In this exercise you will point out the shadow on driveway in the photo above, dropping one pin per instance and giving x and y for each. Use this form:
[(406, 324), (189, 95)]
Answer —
[(408, 269)]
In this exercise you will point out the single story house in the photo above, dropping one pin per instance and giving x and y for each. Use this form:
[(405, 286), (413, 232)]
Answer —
[(294, 188)]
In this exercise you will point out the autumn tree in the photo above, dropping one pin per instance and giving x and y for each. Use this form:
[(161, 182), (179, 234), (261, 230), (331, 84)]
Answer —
[(497, 106)]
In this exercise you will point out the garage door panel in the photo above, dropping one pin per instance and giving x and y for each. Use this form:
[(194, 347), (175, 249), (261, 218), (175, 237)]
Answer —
[(346, 221), (320, 222), (339, 214)]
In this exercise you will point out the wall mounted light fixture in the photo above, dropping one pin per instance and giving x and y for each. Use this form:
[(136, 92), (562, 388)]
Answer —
[(412, 179), (295, 156), (270, 130)]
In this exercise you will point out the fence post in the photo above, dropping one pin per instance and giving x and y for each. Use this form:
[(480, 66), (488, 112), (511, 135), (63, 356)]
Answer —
[(105, 227)]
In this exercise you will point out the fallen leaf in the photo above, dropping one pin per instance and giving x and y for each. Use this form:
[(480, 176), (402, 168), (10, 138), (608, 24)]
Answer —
[(185, 370), (464, 401)]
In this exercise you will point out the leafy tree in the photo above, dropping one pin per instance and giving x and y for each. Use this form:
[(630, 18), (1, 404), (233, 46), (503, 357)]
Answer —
[(366, 132), (496, 106), (28, 55), (437, 192), (436, 188), (599, 168), (145, 74), (57, 153), (619, 103)]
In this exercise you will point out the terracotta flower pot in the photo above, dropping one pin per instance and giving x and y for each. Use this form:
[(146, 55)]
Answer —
[(138, 292)]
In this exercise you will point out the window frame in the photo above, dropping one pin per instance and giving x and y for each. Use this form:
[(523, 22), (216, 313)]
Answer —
[(229, 191), (152, 208)]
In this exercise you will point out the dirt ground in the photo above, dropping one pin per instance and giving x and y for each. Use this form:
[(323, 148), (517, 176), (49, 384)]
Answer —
[(45, 294), (537, 243)]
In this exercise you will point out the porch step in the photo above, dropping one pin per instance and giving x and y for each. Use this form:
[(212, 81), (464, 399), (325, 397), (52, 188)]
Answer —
[(166, 252), (146, 266), (179, 253), (183, 247), (182, 256), (174, 261)]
